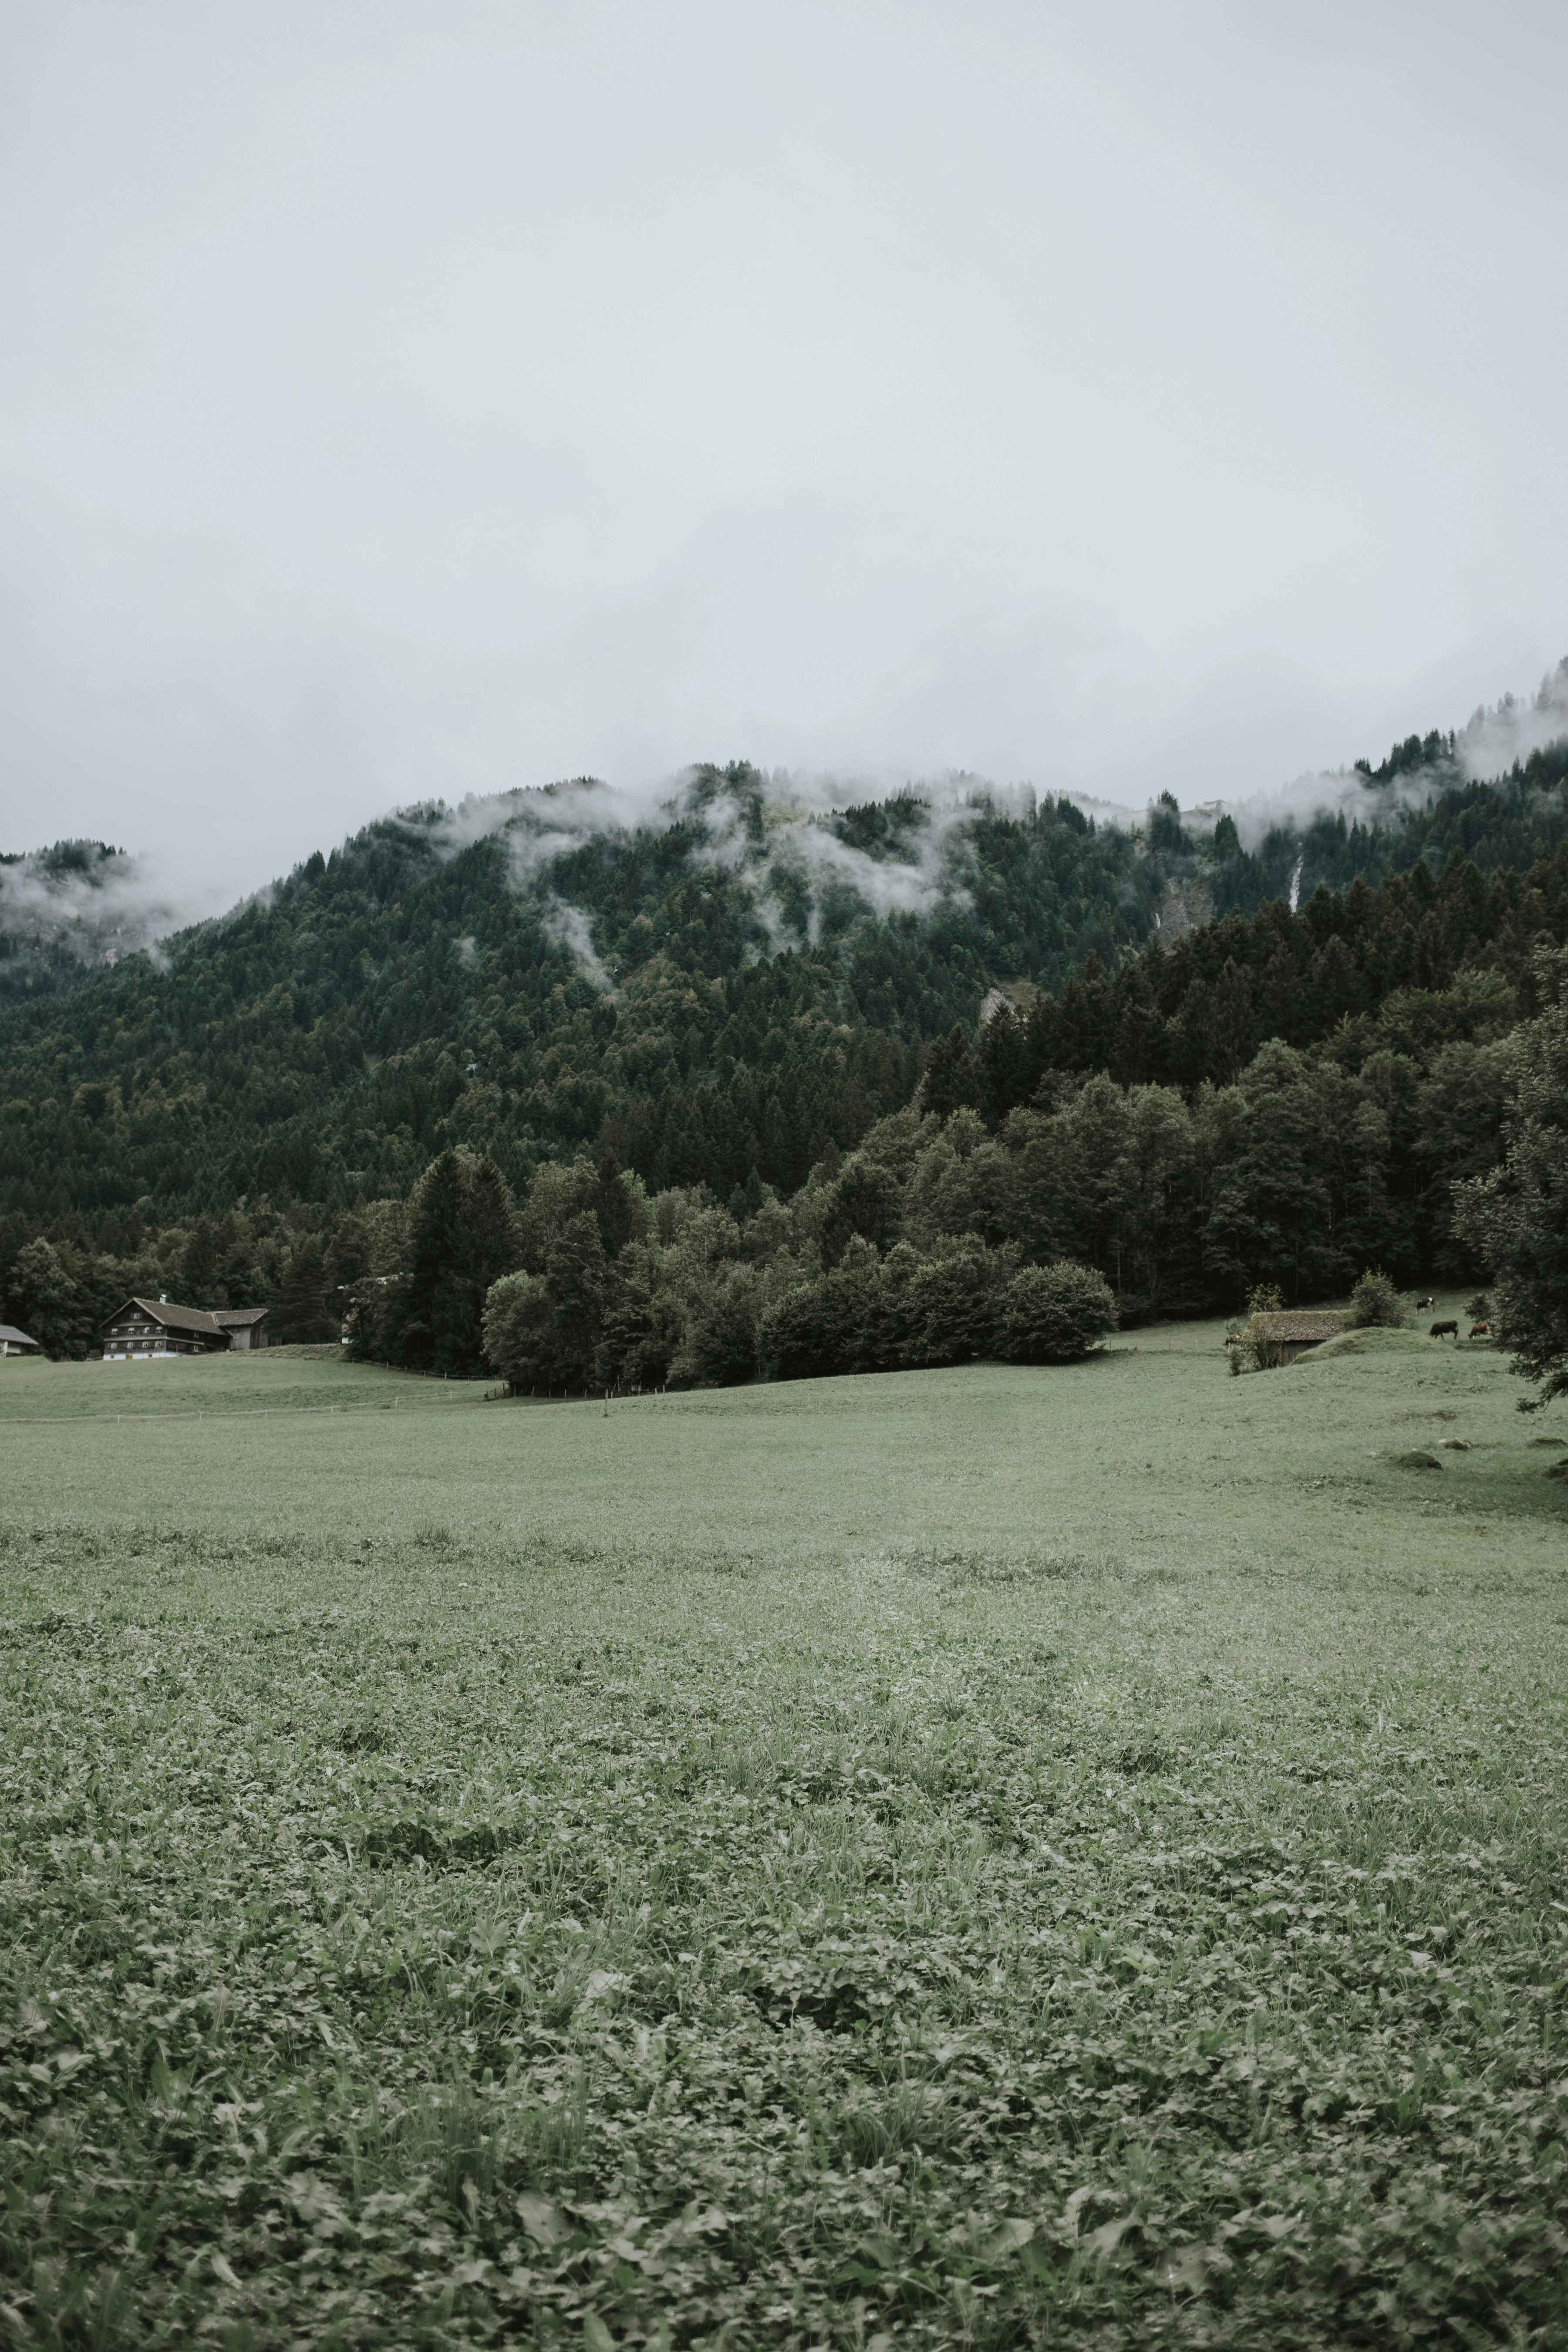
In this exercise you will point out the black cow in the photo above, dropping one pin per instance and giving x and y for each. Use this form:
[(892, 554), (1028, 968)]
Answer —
[(1444, 1332), (1424, 1302)]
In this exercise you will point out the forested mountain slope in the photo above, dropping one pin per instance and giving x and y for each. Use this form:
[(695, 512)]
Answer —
[(736, 983)]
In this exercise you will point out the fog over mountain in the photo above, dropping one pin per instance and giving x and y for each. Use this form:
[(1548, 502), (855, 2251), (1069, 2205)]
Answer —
[(93, 905), (417, 403), (1493, 740), (87, 901)]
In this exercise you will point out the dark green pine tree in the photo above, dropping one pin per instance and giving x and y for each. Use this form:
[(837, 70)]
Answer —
[(201, 1266), (612, 1206), (578, 1280), (301, 1312), (462, 1237), (952, 1079)]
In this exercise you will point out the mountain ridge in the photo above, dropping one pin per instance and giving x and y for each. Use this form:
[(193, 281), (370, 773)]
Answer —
[(732, 984)]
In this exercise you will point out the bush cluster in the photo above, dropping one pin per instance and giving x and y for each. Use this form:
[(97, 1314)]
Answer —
[(1375, 1304), (592, 1284), (871, 1316)]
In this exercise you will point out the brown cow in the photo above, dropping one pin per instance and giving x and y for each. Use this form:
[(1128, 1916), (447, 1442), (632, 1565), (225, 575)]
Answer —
[(1444, 1332), (1481, 1330)]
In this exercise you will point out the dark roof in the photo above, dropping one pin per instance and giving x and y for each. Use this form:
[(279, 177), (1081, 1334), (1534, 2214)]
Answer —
[(1299, 1328), (172, 1319), (18, 1338), (225, 1318)]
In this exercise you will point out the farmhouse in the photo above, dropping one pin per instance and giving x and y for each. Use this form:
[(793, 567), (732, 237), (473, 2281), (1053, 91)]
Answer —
[(147, 1328), (1286, 1337), (16, 1343)]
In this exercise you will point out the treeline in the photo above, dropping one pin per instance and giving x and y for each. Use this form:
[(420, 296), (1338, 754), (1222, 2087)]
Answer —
[(1310, 1166), (733, 990), (712, 1016), (417, 989), (1286, 1100), (1351, 974), (596, 1284), (942, 1238)]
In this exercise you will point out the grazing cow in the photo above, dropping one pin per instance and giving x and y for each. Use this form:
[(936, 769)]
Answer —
[(1233, 1338), (1444, 1332), (1481, 1330), (1424, 1302)]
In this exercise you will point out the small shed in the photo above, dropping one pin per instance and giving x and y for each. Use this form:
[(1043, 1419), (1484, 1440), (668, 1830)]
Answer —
[(1286, 1337), (16, 1343)]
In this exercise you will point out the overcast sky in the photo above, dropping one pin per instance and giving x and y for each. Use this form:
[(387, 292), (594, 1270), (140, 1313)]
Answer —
[(431, 398)]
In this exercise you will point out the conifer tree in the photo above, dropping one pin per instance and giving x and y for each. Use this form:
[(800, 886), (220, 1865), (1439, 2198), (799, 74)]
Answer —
[(300, 1312), (462, 1237)]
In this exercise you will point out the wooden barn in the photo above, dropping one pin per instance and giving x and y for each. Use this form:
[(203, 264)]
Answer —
[(243, 1325), (1280, 1339), (16, 1343)]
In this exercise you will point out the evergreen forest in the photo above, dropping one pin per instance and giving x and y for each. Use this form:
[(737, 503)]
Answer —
[(709, 1082)]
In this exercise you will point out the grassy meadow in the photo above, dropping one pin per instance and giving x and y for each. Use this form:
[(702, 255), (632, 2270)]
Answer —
[(996, 1857)]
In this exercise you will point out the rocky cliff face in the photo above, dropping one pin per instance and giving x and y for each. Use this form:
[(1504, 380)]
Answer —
[(1181, 909)]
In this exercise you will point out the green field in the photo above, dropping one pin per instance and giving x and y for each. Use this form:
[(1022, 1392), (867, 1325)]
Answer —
[(985, 1857)]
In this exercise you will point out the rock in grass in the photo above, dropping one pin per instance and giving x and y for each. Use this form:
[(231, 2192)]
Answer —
[(1415, 1460), (1560, 1442), (1455, 1444), (1556, 1469)]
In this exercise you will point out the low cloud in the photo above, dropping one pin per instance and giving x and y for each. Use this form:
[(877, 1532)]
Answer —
[(97, 903), (795, 854), (801, 857), (542, 822), (781, 834), (1489, 744), (569, 924), (1483, 751)]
